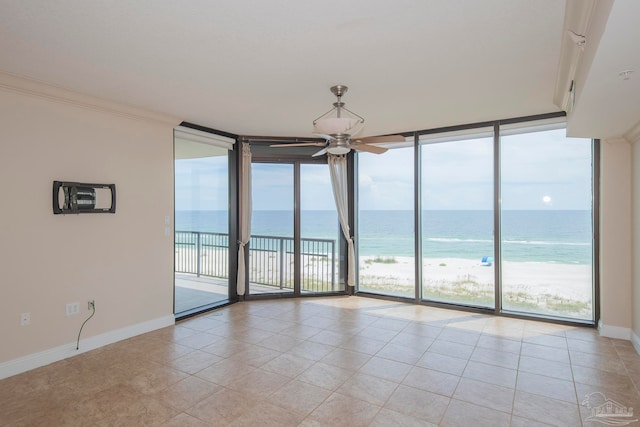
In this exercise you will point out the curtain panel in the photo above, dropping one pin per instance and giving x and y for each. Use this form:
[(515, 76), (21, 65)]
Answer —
[(245, 215), (338, 172)]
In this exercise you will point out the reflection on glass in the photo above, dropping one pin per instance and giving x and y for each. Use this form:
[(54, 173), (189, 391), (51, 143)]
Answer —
[(457, 222), (271, 249), (201, 225), (386, 233), (320, 232), (547, 225)]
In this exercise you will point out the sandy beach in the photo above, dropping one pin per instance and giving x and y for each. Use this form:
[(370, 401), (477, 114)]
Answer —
[(572, 281), (565, 280)]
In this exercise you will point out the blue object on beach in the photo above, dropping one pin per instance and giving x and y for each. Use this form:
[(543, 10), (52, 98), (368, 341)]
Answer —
[(487, 260)]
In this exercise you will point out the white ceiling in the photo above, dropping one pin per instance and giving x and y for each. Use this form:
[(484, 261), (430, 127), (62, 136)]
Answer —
[(256, 67), (608, 104)]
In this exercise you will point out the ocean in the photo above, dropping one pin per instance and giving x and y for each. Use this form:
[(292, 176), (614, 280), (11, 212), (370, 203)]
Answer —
[(537, 236)]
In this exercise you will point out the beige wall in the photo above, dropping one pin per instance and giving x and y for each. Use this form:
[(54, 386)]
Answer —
[(124, 261), (615, 235)]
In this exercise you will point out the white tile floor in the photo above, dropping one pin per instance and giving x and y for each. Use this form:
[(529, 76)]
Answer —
[(336, 362)]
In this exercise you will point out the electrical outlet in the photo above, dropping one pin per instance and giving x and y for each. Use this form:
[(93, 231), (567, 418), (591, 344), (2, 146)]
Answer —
[(25, 319), (73, 308), (91, 305)]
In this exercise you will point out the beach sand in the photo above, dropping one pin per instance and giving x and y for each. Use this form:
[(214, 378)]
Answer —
[(570, 281)]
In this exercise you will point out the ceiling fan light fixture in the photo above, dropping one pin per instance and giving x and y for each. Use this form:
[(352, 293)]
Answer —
[(339, 120), (337, 126), (338, 149)]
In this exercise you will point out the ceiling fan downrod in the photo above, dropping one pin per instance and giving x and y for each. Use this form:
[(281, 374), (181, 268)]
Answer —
[(338, 91)]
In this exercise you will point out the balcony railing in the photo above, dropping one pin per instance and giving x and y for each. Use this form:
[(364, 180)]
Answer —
[(271, 259)]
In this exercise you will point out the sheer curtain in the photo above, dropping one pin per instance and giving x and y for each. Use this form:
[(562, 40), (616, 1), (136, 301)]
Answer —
[(338, 171), (245, 215)]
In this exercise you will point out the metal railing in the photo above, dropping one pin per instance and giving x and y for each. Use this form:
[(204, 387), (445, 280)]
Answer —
[(203, 254), (271, 259)]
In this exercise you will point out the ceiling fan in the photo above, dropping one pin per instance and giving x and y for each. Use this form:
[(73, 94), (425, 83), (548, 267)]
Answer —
[(338, 125)]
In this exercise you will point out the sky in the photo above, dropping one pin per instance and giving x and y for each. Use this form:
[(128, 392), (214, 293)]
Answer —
[(540, 171), (202, 184)]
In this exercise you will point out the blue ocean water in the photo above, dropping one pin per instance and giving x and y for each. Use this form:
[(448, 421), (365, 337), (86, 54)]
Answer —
[(541, 236)]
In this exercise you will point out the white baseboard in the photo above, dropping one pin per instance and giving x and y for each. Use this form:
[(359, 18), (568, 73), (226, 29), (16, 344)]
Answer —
[(35, 360), (635, 340), (616, 332)]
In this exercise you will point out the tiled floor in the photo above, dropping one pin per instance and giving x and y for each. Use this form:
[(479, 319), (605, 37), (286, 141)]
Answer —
[(345, 361)]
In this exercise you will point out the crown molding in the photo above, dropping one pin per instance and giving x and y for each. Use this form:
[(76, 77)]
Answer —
[(30, 87)]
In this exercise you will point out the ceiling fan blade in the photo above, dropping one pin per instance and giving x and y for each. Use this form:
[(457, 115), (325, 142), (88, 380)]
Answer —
[(369, 148), (300, 144), (381, 139), (322, 135), (321, 152)]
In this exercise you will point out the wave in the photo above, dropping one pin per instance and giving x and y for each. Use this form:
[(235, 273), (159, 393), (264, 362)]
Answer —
[(541, 242), (455, 240), (514, 242)]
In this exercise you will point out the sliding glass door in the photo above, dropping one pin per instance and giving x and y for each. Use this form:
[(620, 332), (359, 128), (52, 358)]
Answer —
[(295, 245), (271, 248), (320, 234), (201, 225)]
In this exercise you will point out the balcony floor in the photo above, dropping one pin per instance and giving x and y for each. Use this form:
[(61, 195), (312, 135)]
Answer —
[(193, 291)]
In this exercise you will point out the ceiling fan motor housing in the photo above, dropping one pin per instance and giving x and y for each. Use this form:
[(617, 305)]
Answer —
[(339, 90)]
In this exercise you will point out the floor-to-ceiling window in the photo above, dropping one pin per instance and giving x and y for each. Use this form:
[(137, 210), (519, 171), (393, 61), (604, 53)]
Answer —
[(386, 223), (201, 171), (547, 225), (498, 217), (505, 219), (457, 218)]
